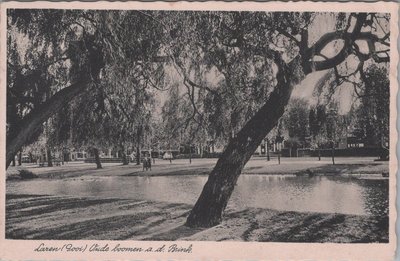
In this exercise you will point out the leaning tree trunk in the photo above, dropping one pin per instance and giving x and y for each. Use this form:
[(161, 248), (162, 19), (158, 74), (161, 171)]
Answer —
[(213, 199), (33, 121), (49, 157), (97, 158)]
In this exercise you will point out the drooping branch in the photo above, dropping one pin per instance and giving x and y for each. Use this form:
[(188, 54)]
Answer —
[(40, 114)]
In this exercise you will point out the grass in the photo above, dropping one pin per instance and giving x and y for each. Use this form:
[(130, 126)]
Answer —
[(349, 166)]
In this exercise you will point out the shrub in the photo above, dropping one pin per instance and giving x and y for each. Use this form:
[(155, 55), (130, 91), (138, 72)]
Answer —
[(26, 174)]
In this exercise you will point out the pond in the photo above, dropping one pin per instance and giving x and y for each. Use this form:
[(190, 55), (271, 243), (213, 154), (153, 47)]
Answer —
[(281, 192)]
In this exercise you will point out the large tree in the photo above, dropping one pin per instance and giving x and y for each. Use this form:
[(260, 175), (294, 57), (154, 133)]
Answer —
[(50, 61), (56, 55), (371, 113), (296, 122), (295, 51)]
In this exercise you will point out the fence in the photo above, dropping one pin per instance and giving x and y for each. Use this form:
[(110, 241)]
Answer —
[(348, 152)]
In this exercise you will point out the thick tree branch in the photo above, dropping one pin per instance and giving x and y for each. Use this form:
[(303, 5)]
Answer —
[(347, 37), (20, 136)]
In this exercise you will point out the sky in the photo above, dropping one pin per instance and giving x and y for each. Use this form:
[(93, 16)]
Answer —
[(344, 94)]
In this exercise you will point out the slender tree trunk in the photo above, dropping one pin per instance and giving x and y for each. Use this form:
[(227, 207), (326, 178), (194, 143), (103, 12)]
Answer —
[(213, 199), (125, 160), (319, 153), (97, 158), (49, 157), (137, 155), (13, 161), (138, 136), (33, 121), (190, 154), (30, 157), (333, 153), (279, 157), (267, 145), (62, 156), (20, 158)]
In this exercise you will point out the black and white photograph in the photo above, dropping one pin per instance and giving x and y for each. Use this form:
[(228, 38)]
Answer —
[(198, 125)]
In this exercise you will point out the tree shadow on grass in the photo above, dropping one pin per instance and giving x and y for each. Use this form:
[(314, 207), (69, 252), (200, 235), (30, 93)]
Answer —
[(93, 228), (62, 218)]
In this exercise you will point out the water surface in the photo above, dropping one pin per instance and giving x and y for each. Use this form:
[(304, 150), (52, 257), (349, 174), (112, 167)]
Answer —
[(281, 192)]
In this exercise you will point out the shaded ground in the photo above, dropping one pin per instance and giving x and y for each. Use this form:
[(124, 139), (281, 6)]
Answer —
[(55, 217)]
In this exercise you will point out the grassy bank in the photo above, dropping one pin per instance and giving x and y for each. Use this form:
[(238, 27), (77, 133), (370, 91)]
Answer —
[(60, 217), (348, 166)]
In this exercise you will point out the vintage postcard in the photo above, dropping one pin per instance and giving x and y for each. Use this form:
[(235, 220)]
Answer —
[(198, 131)]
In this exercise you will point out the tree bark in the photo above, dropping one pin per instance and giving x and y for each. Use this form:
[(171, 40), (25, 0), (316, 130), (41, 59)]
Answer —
[(137, 155), (190, 153), (33, 121), (213, 199), (97, 158), (125, 160), (62, 156), (49, 157), (20, 158), (138, 135)]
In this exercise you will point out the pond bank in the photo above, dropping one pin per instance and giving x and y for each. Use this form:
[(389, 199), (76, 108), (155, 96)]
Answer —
[(65, 218), (290, 166)]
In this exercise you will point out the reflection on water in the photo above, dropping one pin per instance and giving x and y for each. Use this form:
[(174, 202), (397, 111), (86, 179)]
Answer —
[(319, 194)]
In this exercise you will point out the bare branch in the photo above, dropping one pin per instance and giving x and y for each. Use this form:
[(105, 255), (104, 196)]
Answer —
[(288, 35), (316, 49)]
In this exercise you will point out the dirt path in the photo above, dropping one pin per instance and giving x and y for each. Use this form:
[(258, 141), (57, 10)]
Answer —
[(56, 217)]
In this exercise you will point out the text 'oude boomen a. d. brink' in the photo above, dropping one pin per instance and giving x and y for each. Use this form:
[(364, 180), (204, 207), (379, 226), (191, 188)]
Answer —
[(117, 248)]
